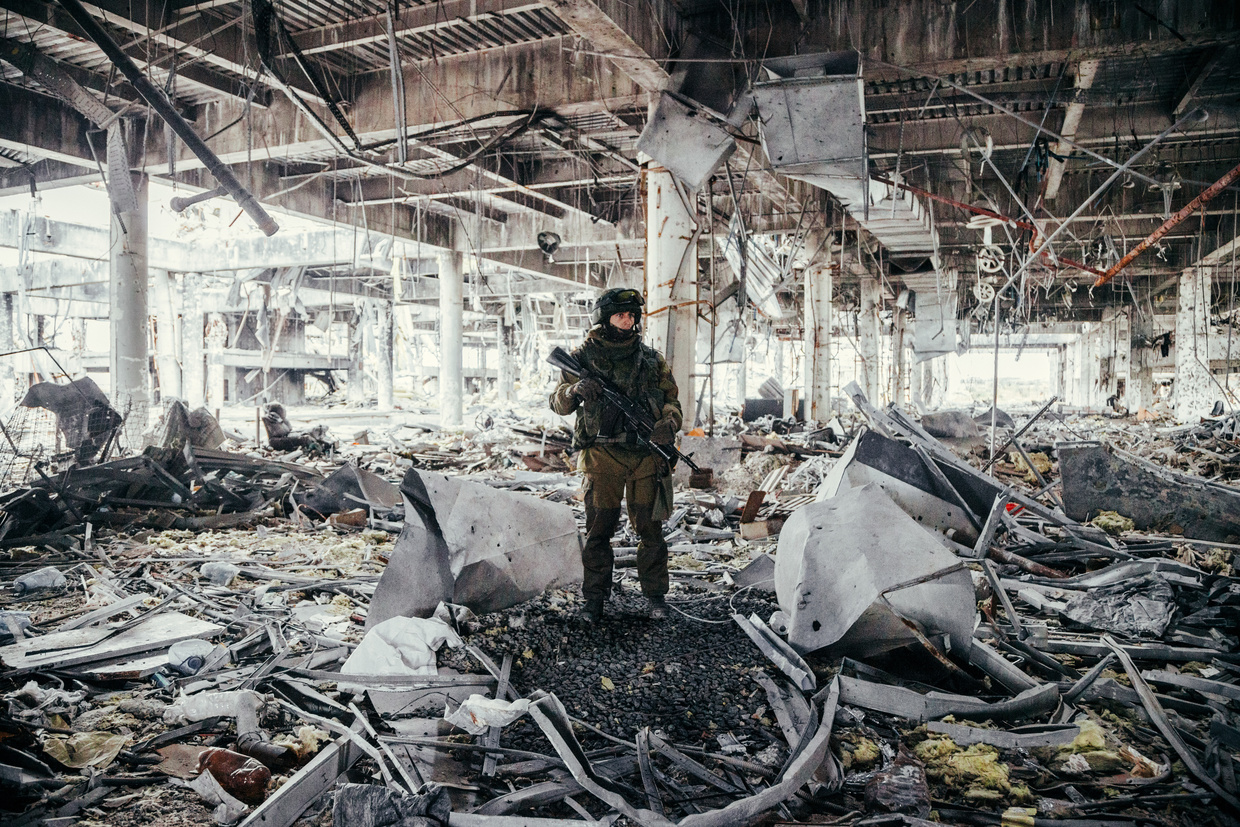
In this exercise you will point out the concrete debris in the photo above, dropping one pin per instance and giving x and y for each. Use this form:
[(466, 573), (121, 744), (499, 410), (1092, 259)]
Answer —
[(952, 424), (1097, 478), (939, 639)]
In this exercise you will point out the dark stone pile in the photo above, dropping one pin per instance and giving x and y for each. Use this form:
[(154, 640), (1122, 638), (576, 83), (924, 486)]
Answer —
[(686, 679)]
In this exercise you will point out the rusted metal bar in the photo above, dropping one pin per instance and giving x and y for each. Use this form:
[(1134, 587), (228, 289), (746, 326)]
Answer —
[(1191, 207)]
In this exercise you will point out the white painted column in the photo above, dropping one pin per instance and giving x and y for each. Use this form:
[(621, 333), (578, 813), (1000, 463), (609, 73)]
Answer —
[(8, 341), (1071, 374), (355, 393), (129, 372), (167, 334), (1195, 392), (1055, 358), (451, 340), (77, 348), (868, 341), (671, 280), (899, 356), (1122, 349), (817, 327), (385, 345), (914, 387), (216, 338), (505, 342), (193, 342)]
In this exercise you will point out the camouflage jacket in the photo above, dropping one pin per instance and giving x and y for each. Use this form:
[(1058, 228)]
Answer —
[(637, 369)]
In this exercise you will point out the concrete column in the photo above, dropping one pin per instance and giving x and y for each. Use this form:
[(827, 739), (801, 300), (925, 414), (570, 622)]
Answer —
[(914, 387), (77, 347), (128, 368), (355, 393), (385, 344), (1195, 392), (8, 341), (451, 340), (1140, 393), (818, 287), (193, 342), (216, 338), (671, 280), (868, 341), (1105, 360), (899, 356), (1095, 398), (167, 334), (1072, 372), (1121, 348), (1055, 358), (505, 340)]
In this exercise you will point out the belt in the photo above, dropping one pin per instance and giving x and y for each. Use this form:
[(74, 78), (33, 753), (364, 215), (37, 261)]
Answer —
[(621, 438)]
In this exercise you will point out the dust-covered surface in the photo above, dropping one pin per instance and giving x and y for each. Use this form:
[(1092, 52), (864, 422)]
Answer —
[(117, 749)]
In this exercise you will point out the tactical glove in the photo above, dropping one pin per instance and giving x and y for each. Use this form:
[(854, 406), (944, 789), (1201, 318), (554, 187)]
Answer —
[(663, 433), (588, 391)]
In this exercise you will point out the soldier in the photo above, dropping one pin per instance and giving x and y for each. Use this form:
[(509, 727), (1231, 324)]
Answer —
[(615, 465)]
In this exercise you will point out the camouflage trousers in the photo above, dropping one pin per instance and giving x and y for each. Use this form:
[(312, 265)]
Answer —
[(614, 474)]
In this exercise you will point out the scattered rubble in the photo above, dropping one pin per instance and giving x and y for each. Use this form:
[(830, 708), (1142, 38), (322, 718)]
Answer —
[(868, 629)]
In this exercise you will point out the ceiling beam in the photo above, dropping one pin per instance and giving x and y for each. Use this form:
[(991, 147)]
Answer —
[(220, 42), (1086, 71), (365, 31)]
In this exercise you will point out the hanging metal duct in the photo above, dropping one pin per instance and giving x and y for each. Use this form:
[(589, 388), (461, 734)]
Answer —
[(812, 116)]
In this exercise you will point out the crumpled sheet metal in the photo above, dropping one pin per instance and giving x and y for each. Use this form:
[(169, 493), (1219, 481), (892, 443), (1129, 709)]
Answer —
[(901, 472), (1141, 607), (906, 703), (806, 759), (481, 547), (1096, 477), (852, 568)]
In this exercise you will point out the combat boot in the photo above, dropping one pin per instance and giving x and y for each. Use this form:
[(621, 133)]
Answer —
[(593, 611), (658, 607)]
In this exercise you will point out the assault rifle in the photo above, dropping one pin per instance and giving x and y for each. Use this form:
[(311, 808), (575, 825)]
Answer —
[(638, 420)]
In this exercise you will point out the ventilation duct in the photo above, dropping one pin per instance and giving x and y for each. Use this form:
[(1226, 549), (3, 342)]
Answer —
[(812, 115)]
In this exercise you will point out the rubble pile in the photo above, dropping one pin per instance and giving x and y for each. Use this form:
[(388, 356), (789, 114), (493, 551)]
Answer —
[(867, 628)]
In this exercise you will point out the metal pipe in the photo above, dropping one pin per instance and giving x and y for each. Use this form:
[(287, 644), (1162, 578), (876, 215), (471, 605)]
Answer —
[(156, 100), (1192, 206), (182, 203)]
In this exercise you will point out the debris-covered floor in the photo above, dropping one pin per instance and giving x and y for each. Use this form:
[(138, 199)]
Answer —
[(866, 628)]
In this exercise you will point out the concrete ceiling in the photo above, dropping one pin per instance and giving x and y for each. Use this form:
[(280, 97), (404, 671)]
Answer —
[(522, 117)]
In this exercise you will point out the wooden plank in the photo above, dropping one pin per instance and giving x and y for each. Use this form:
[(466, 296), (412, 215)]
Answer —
[(78, 646)]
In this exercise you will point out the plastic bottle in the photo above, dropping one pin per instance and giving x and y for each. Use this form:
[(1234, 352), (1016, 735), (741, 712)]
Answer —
[(220, 574), (241, 776), (14, 623), (188, 656), (45, 578)]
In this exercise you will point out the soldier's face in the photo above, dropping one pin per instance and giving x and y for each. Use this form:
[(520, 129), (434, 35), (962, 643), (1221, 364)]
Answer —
[(623, 321)]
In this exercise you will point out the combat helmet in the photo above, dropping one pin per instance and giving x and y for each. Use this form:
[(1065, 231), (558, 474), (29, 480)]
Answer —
[(617, 300)]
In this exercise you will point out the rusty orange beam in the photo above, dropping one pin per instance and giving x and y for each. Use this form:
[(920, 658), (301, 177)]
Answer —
[(1188, 209)]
